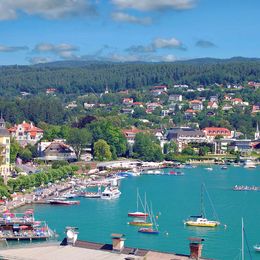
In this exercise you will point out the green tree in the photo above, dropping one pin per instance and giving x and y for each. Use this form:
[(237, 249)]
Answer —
[(25, 154), (14, 149), (146, 148), (102, 150), (188, 151), (78, 139)]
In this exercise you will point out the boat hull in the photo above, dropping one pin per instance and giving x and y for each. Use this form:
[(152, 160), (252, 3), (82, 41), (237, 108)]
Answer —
[(140, 224), (198, 224), (148, 231), (137, 214)]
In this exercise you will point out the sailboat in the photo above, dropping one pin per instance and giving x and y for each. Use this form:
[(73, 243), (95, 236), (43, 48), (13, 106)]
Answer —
[(141, 222), (201, 220), (137, 213), (152, 230)]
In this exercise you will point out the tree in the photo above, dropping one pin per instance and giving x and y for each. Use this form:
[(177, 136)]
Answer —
[(14, 149), (188, 151), (25, 154), (102, 150), (78, 139), (146, 148)]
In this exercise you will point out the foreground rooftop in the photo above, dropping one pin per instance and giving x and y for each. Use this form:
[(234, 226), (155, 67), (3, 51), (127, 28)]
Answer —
[(84, 250)]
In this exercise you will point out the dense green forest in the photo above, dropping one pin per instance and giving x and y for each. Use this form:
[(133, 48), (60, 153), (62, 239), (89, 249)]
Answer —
[(86, 77)]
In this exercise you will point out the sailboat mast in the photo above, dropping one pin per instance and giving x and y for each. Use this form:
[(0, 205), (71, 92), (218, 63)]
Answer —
[(242, 242), (201, 202), (145, 205), (137, 198)]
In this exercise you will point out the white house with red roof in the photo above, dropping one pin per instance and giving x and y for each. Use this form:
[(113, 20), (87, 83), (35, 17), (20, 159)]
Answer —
[(128, 101), (212, 105), (130, 134), (196, 105), (26, 133), (212, 132)]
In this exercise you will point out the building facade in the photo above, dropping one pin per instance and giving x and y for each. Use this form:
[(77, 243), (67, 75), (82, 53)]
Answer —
[(26, 133), (5, 149)]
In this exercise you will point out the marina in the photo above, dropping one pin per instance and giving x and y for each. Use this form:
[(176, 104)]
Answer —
[(171, 207)]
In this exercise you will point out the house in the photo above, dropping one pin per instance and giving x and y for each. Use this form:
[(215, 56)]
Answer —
[(237, 101), (127, 111), (157, 92), (175, 98), (137, 104), (196, 105), (88, 105), (56, 151), (256, 108), (50, 90), (153, 105), (243, 146), (227, 107), (227, 98), (202, 99), (212, 105), (72, 104), (161, 88), (5, 153), (212, 132), (190, 113), (130, 135), (128, 101), (26, 133), (184, 135)]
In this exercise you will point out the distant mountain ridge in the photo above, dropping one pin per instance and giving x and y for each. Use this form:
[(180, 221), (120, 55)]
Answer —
[(84, 63)]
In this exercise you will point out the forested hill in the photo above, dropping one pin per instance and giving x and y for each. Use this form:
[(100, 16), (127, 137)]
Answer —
[(80, 77)]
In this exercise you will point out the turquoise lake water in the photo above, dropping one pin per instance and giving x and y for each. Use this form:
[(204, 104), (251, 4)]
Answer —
[(174, 198)]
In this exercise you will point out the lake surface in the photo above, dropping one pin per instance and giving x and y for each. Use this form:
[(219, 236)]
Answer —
[(174, 198)]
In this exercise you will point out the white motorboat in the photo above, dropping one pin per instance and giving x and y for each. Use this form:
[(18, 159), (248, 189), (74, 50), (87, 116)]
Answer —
[(249, 164), (209, 169), (110, 192), (257, 247)]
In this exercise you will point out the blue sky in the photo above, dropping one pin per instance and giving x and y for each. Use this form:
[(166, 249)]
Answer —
[(35, 31)]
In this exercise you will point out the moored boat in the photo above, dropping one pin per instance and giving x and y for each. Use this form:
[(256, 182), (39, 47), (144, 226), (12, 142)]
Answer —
[(201, 220), (110, 192), (148, 231), (249, 164), (137, 213), (140, 223), (257, 247), (64, 202)]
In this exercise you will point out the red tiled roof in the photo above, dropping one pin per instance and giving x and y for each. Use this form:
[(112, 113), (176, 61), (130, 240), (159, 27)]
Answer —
[(195, 101), (213, 131), (27, 128)]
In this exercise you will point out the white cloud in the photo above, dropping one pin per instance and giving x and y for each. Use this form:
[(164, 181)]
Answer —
[(51, 9), (4, 48), (160, 43), (148, 5), (64, 50), (123, 17)]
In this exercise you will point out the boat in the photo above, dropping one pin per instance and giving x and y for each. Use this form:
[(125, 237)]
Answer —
[(209, 169), (224, 167), (249, 164), (63, 202), (140, 223), (150, 230), (257, 247), (141, 219), (137, 213), (110, 192), (201, 220)]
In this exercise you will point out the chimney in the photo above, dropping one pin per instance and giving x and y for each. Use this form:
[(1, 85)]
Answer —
[(118, 242), (196, 247)]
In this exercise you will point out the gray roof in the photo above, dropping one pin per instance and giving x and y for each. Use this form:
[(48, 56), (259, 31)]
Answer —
[(177, 132), (4, 132)]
